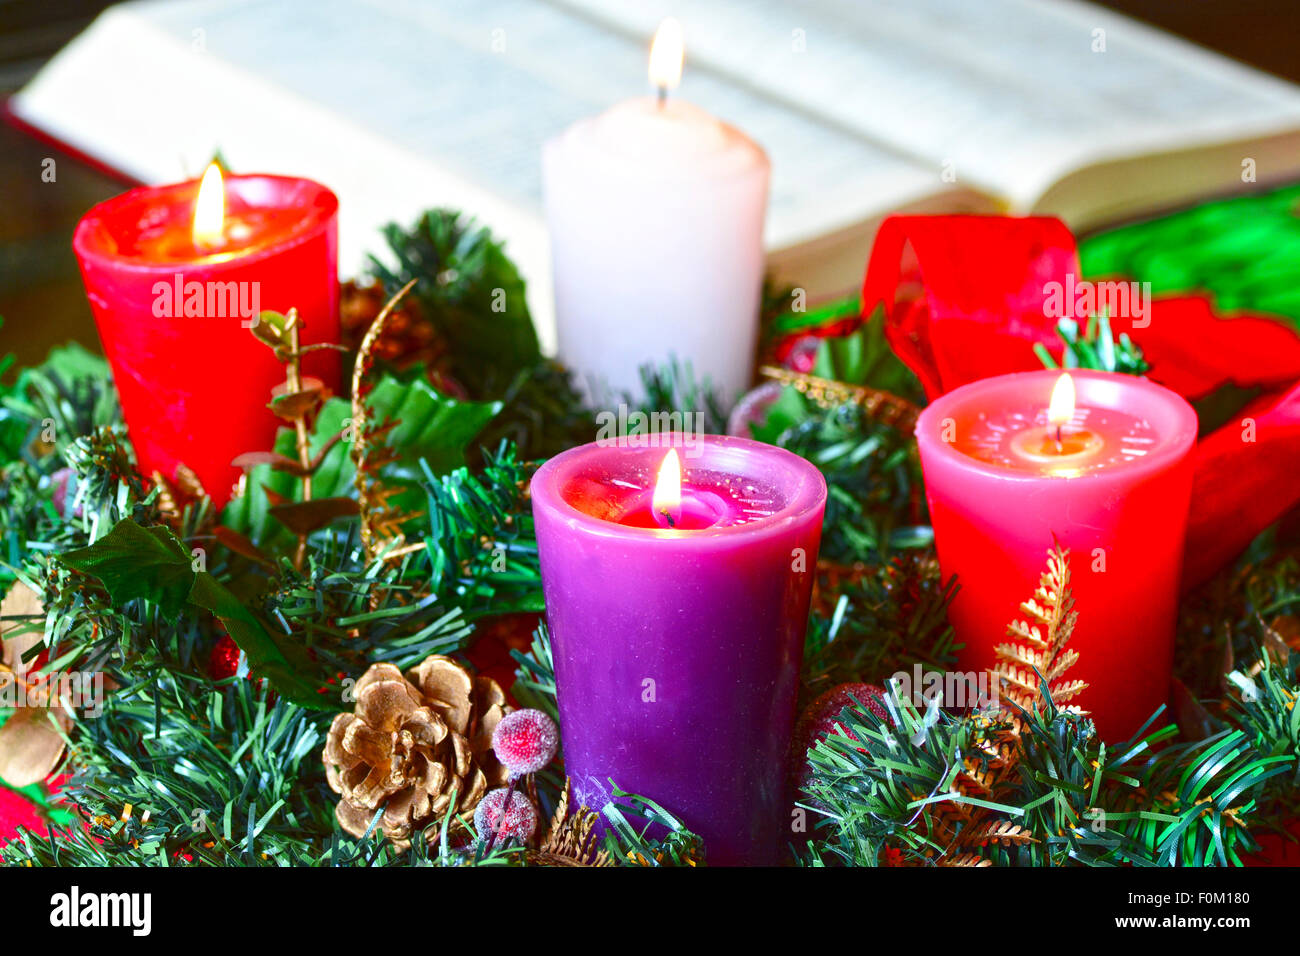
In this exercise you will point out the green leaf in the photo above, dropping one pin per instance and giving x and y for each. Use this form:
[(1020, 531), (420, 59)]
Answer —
[(788, 410), (135, 562), (431, 426), (471, 291), (270, 329), (266, 657), (863, 357)]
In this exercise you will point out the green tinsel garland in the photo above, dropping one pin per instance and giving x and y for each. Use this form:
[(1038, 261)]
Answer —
[(228, 769)]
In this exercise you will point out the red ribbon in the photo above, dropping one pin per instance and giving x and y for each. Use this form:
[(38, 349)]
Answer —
[(967, 297)]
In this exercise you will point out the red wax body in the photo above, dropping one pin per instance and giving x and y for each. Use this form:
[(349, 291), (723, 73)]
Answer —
[(677, 652), (1119, 504), (174, 320)]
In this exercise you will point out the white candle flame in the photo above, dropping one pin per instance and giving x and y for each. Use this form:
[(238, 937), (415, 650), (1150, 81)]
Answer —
[(666, 53)]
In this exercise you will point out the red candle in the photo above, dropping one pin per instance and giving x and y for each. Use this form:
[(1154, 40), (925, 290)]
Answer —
[(175, 282), (1013, 461)]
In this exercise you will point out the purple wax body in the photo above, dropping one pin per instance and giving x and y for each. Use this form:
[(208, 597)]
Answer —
[(677, 652)]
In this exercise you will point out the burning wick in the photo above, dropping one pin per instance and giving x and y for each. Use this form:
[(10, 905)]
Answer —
[(667, 498), (666, 52), (1061, 408)]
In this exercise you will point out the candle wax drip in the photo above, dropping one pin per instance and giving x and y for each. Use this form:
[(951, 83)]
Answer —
[(1094, 439)]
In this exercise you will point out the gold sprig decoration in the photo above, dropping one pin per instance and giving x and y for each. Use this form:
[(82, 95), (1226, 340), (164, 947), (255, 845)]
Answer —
[(571, 838), (878, 404), (175, 494), (381, 520)]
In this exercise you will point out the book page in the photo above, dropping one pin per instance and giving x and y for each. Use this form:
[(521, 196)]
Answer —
[(477, 88), (1006, 94)]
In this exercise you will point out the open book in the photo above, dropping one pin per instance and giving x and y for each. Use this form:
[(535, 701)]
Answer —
[(866, 107)]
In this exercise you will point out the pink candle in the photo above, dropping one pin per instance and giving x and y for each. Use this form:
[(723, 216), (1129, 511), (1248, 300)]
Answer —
[(678, 626), (175, 285), (1008, 466)]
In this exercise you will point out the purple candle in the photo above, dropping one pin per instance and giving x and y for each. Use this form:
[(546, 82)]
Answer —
[(677, 622)]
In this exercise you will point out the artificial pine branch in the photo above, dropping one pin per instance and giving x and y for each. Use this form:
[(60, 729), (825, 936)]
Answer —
[(875, 503), (876, 620), (966, 808), (1097, 348)]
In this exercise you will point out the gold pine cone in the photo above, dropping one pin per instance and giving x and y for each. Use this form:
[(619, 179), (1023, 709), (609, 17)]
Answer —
[(413, 744)]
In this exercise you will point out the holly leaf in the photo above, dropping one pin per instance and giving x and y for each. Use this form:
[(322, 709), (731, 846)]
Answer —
[(136, 562)]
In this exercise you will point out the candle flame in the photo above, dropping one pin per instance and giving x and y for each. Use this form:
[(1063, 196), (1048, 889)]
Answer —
[(209, 208), (666, 54), (1061, 408), (667, 500)]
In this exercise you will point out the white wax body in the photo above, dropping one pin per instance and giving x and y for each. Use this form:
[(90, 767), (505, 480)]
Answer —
[(655, 216)]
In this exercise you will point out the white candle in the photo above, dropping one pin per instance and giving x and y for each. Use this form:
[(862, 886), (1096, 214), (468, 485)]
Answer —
[(655, 211)]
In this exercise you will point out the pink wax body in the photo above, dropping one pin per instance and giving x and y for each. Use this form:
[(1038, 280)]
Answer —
[(1115, 492), (677, 651), (193, 381)]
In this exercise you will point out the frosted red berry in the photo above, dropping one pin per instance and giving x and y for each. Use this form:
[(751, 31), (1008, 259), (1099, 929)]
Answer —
[(821, 719), (822, 716), (525, 741), (517, 822)]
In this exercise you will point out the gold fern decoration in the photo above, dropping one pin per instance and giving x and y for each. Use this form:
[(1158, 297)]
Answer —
[(991, 771), (1040, 643)]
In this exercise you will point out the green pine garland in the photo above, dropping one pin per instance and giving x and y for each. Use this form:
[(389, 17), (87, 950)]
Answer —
[(227, 772)]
